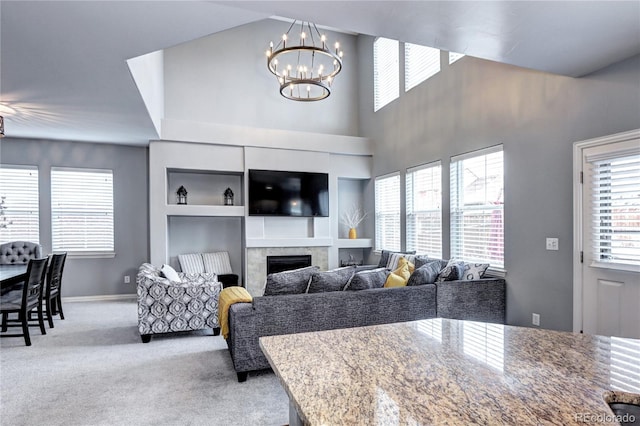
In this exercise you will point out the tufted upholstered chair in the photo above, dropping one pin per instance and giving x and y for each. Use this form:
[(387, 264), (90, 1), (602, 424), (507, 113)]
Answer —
[(19, 252), (165, 306)]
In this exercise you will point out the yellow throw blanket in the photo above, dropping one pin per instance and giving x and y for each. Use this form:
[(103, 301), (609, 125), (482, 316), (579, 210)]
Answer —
[(228, 297)]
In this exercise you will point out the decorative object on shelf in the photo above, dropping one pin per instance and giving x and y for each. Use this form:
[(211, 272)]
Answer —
[(351, 262), (352, 218), (1, 126), (228, 197), (305, 71), (182, 195)]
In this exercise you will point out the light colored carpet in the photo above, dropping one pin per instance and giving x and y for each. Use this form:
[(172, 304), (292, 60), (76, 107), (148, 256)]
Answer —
[(92, 369)]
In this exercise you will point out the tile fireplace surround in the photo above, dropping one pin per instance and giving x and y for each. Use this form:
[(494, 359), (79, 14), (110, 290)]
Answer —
[(257, 263)]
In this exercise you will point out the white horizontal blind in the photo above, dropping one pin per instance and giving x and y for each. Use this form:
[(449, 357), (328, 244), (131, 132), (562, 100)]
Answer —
[(453, 56), (424, 209), (387, 193), (477, 207), (19, 195), (386, 72), (420, 63), (82, 210), (615, 211)]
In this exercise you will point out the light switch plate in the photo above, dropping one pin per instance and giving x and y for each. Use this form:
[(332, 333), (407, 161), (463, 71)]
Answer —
[(552, 244)]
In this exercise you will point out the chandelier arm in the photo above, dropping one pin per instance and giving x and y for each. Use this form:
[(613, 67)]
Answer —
[(311, 33), (287, 33)]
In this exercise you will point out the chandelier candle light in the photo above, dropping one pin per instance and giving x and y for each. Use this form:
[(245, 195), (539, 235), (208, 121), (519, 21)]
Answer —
[(305, 71)]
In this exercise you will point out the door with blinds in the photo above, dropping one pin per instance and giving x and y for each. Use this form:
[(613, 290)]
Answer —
[(610, 234)]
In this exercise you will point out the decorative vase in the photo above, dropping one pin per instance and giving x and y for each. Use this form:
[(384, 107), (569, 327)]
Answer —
[(353, 234)]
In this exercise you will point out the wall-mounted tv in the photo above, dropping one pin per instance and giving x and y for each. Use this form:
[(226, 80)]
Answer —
[(279, 193)]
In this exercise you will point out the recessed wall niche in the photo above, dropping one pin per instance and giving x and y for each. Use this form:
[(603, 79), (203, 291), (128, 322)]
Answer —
[(198, 234)]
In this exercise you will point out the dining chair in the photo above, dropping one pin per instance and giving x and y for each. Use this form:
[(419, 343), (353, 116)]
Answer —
[(24, 301), (52, 292)]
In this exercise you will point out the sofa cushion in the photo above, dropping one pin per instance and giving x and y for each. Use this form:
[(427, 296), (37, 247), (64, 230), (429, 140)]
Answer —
[(426, 274), (453, 271), (474, 271), (333, 280), (191, 263), (363, 280), (394, 260), (399, 277), (169, 273), (295, 281), (384, 257), (217, 263)]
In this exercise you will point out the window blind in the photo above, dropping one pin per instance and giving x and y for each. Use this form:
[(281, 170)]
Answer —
[(420, 63), (19, 196), (615, 211), (453, 56), (477, 207), (82, 210), (387, 209), (386, 72), (424, 209)]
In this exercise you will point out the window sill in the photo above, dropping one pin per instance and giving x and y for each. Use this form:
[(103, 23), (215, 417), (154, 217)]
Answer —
[(90, 254), (626, 267)]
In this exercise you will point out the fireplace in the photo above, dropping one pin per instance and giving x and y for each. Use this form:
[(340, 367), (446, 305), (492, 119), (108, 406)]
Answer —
[(286, 263)]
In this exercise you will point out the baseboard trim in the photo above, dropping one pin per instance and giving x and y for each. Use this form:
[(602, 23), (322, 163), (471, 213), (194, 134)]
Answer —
[(103, 298)]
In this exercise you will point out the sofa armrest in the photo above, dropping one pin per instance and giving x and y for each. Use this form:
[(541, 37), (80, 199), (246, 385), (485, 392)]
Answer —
[(476, 300)]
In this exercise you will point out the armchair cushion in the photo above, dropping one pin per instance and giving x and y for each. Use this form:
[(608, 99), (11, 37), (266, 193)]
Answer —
[(217, 262)]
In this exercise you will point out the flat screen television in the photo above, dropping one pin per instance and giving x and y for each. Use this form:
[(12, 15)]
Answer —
[(279, 193)]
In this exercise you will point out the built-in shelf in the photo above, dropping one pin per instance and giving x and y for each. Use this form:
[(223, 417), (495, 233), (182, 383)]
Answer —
[(204, 210), (353, 243)]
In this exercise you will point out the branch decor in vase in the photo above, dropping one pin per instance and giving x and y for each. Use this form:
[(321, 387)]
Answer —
[(352, 218)]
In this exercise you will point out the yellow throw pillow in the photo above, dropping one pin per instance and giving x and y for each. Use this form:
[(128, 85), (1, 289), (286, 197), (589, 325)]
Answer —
[(399, 277), (403, 261)]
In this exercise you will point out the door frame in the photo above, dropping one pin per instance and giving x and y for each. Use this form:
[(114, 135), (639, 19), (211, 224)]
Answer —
[(578, 150)]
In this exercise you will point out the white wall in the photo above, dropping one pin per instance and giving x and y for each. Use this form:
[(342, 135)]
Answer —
[(223, 78)]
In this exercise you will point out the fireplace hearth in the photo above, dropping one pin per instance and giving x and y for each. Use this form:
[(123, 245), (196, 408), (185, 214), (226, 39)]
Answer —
[(287, 263)]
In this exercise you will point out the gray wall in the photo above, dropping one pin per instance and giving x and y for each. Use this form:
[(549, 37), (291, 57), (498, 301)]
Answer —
[(91, 277), (476, 103), (223, 78)]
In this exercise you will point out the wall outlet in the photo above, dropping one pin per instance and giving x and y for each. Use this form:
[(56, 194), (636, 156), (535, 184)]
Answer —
[(552, 244), (127, 279), (535, 319)]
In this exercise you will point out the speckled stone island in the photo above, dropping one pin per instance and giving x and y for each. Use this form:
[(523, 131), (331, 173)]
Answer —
[(449, 372)]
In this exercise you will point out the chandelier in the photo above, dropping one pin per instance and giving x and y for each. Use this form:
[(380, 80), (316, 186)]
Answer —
[(305, 70)]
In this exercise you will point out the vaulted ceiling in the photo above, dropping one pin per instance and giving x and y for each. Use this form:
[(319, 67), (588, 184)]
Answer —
[(63, 70)]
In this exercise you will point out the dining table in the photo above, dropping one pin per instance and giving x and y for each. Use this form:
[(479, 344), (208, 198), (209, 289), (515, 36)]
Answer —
[(12, 277)]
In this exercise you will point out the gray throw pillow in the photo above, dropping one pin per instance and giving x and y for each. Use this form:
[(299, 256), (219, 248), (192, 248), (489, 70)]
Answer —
[(453, 271), (289, 282), (333, 280), (373, 278), (474, 271), (426, 274)]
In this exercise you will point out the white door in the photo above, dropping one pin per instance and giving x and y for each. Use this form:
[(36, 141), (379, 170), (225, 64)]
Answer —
[(610, 234)]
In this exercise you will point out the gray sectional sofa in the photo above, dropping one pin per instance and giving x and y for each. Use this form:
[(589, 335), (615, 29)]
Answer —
[(478, 300)]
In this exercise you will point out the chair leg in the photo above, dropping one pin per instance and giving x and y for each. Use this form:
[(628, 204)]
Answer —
[(43, 330), (25, 328), (59, 306), (49, 313)]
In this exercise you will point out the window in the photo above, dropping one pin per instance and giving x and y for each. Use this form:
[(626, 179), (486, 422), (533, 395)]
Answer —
[(477, 207), (82, 210), (387, 189), (386, 72), (424, 209), (615, 212), (420, 63), (19, 217), (453, 56)]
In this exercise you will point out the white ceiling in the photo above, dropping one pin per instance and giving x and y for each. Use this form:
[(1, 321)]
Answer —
[(63, 71)]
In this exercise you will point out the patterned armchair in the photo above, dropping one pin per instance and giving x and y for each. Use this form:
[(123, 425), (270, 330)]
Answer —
[(165, 306)]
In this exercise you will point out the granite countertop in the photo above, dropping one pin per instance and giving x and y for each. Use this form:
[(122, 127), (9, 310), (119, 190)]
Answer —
[(444, 371)]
